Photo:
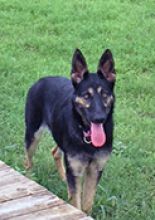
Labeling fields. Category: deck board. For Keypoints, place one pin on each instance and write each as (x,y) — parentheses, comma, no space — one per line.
(22,198)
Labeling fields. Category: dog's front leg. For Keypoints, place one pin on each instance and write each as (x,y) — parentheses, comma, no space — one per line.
(92,176)
(74,190)
(74,172)
(91,179)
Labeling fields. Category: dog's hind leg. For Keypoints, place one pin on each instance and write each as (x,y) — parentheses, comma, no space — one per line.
(58,158)
(31,141)
(33,124)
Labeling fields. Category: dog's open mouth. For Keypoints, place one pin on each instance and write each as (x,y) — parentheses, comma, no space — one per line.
(96,135)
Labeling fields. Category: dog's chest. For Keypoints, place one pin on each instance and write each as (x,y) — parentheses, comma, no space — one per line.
(82,162)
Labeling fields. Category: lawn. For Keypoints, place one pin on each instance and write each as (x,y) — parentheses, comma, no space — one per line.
(37,38)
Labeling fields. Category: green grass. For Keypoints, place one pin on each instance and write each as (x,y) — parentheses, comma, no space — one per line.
(37,38)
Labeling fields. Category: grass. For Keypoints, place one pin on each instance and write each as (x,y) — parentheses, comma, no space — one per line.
(38,39)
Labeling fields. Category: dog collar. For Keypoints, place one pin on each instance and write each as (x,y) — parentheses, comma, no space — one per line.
(86,137)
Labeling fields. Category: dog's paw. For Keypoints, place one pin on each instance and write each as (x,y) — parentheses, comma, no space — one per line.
(27,164)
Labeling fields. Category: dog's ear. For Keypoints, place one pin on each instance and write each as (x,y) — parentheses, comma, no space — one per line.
(79,67)
(106,66)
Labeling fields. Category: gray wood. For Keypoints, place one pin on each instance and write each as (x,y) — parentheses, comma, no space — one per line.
(22,198)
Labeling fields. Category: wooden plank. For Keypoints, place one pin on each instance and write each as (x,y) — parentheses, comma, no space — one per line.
(2,163)
(4,166)
(28,204)
(63,212)
(21,187)
(6,171)
(86,218)
(13,185)
(21,199)
(10,178)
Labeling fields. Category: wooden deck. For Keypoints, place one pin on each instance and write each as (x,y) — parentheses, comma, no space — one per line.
(24,199)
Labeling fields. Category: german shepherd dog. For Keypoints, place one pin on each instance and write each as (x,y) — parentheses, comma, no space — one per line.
(79,115)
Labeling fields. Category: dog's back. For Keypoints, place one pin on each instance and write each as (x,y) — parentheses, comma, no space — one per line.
(49,93)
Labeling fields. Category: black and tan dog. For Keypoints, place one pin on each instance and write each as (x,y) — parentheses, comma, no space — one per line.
(78,112)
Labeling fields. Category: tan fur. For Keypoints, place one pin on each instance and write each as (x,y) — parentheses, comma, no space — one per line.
(100,160)
(90,181)
(78,171)
(75,197)
(110,76)
(29,155)
(104,94)
(99,89)
(91,91)
(89,189)
(82,102)
(58,158)
(31,150)
(78,76)
(77,166)
(83,198)
(108,101)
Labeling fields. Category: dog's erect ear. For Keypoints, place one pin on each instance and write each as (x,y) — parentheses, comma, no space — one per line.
(106,67)
(79,67)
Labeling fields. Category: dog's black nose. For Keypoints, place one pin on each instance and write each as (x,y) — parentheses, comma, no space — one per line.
(99,119)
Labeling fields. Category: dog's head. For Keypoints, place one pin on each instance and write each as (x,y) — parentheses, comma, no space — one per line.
(93,96)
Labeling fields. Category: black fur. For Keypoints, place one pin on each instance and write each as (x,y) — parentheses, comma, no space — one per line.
(52,101)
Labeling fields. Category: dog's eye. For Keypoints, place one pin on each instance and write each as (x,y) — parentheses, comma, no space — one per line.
(86,96)
(109,101)
(102,92)
(104,95)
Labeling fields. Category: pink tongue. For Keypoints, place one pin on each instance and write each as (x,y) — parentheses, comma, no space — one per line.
(98,136)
